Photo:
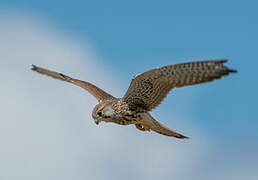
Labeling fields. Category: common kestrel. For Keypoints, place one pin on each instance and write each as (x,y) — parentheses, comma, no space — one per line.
(146,92)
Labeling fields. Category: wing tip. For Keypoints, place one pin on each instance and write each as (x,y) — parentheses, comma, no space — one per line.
(180,136)
(232,71)
(34,67)
(223,61)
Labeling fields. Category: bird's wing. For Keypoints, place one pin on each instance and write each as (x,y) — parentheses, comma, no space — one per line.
(147,90)
(98,93)
(154,125)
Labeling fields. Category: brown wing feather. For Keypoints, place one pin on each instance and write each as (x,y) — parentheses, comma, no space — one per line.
(148,89)
(98,93)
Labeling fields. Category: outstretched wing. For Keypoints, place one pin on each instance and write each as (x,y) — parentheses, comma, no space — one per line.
(154,125)
(148,89)
(98,93)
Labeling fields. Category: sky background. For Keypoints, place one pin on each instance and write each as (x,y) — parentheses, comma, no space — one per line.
(46,129)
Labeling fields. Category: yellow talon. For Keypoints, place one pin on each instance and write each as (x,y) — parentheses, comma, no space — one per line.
(147,128)
(142,127)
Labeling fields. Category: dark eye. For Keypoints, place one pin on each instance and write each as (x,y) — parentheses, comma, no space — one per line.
(99,113)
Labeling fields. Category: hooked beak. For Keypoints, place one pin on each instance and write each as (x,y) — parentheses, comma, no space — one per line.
(97,121)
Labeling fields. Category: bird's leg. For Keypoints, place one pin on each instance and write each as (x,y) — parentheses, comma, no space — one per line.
(146,128)
(142,127)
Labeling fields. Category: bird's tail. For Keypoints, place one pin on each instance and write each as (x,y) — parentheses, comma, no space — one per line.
(154,125)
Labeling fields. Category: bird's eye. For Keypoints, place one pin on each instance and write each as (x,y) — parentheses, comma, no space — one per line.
(99,113)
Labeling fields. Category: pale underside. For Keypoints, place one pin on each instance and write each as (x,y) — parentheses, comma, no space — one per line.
(148,90)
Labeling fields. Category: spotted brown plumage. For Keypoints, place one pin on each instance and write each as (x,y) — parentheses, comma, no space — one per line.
(146,92)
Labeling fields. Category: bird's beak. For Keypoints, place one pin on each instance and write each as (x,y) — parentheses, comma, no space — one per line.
(97,121)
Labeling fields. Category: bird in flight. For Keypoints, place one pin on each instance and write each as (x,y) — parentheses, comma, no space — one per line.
(146,91)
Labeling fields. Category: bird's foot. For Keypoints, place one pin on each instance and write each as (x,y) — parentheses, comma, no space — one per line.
(142,127)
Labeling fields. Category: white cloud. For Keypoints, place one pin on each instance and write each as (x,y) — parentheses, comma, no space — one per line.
(46,129)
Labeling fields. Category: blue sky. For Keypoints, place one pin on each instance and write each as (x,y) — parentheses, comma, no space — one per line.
(155,33)
(134,36)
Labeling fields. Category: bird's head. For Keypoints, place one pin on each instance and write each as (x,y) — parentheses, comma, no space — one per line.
(103,112)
